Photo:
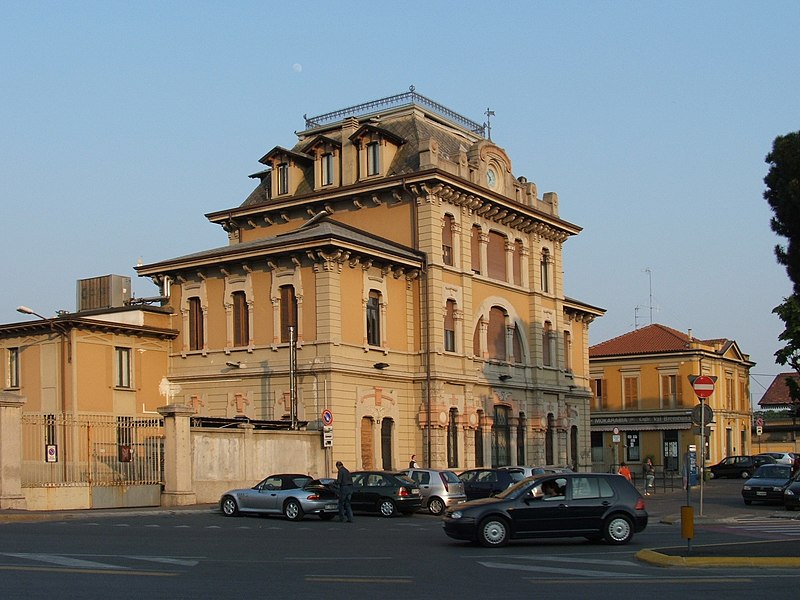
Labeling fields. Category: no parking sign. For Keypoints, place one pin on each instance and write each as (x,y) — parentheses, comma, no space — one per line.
(327,417)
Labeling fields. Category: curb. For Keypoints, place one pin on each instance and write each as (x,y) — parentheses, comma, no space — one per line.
(658,559)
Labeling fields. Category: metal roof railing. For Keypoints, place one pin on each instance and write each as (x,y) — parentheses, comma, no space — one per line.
(407,98)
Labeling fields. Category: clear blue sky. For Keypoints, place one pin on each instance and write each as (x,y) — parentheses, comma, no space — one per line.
(123,123)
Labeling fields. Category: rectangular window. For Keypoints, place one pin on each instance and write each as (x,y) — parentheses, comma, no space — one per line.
(327,169)
(283,178)
(195,324)
(241,320)
(547,350)
(288,313)
(373,159)
(567,351)
(631,387)
(599,390)
(374,319)
(544,268)
(123,379)
(476,249)
(450,327)
(729,392)
(12,368)
(447,240)
(632,451)
(670,391)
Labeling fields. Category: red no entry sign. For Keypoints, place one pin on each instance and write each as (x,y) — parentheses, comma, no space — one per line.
(703,386)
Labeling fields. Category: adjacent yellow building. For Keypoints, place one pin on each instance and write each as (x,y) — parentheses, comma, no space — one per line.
(643,398)
(389,267)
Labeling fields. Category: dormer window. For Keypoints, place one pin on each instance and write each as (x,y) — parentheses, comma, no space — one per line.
(373,158)
(283,178)
(327,168)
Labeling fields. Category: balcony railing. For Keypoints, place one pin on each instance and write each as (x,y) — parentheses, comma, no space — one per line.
(410,97)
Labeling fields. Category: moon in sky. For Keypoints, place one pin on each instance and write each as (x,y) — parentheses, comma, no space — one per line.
(297,67)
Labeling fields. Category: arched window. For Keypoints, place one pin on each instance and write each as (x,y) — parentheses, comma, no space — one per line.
(450,327)
(496,256)
(447,240)
(452,439)
(241,320)
(496,334)
(288,312)
(374,318)
(518,355)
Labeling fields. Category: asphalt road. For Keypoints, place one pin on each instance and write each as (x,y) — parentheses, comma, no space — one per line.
(197,553)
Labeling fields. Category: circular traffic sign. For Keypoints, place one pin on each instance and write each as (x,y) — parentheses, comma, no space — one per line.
(327,417)
(703,386)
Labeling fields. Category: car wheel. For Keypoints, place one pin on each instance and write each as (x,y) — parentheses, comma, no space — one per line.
(387,508)
(493,533)
(748,502)
(435,506)
(326,516)
(618,530)
(292,510)
(745,474)
(229,507)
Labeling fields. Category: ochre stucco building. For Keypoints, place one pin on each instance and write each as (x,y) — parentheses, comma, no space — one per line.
(642,390)
(389,267)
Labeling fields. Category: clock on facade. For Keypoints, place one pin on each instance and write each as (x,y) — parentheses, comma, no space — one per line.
(491,178)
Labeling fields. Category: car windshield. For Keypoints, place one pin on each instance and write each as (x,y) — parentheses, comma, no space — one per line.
(514,490)
(405,479)
(773,472)
(450,477)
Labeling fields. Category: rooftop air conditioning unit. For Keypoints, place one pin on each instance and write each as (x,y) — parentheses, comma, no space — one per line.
(108,291)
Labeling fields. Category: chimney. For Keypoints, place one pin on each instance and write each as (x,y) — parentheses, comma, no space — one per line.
(349,152)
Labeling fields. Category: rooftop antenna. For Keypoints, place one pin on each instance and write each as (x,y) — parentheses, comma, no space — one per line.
(489,114)
(650,280)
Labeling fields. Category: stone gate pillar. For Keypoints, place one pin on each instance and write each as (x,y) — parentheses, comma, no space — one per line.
(11,451)
(178,473)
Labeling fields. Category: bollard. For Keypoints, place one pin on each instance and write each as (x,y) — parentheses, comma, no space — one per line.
(687,525)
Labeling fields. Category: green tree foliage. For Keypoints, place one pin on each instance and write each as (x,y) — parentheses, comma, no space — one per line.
(783,196)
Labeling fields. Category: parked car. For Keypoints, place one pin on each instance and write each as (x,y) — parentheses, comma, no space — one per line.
(739,466)
(483,483)
(791,493)
(289,494)
(385,493)
(591,505)
(784,458)
(439,489)
(767,484)
(530,471)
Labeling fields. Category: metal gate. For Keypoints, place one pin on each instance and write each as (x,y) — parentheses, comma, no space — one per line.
(91,450)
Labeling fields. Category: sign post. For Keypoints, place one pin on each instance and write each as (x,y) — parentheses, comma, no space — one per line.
(703,386)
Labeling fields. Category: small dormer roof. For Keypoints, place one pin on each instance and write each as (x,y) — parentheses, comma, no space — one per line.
(317,140)
(281,151)
(384,133)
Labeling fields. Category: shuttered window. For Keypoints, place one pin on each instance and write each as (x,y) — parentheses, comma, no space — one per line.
(374,319)
(241,320)
(496,334)
(631,391)
(195,324)
(288,312)
(599,391)
(496,256)
(475,249)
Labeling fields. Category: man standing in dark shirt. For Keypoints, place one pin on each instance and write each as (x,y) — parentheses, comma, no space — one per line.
(345,483)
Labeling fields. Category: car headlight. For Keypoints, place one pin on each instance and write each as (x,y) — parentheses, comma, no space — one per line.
(457,514)
(746,487)
(777,488)
(788,492)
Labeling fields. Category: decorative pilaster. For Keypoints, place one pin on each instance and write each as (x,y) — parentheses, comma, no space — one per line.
(178,474)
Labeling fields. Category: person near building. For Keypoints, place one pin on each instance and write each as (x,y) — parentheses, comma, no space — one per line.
(412,464)
(649,477)
(344,482)
(624,471)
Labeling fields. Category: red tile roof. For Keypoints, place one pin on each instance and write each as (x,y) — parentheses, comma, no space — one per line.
(647,340)
(777,394)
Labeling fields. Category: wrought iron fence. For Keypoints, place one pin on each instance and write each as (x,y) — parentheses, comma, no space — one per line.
(96,450)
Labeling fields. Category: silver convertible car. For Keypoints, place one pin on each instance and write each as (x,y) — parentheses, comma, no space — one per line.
(290,495)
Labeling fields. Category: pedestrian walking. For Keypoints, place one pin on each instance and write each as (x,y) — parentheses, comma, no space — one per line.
(649,477)
(624,471)
(412,464)
(344,482)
